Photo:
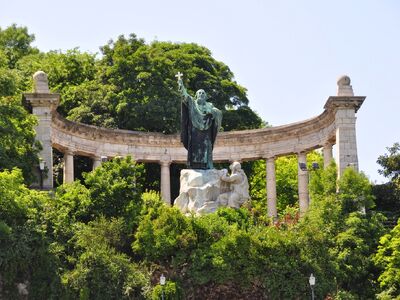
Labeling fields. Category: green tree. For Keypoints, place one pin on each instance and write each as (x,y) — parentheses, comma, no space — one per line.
(15,42)
(387,258)
(142,92)
(101,270)
(344,233)
(17,144)
(388,194)
(24,248)
(390,162)
(112,190)
(115,188)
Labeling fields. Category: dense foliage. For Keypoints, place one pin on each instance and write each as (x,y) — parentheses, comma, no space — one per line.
(388,201)
(17,146)
(107,230)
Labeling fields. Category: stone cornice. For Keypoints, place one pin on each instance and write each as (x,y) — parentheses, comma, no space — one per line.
(42,99)
(335,102)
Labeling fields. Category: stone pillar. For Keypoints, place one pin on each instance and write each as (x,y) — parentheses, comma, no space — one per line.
(345,120)
(271,188)
(346,144)
(43,104)
(345,105)
(96,162)
(165,181)
(68,166)
(327,154)
(302,183)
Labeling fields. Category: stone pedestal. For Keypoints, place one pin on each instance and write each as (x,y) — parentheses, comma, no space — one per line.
(203,191)
(199,191)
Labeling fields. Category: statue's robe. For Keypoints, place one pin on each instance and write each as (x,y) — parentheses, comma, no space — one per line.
(199,128)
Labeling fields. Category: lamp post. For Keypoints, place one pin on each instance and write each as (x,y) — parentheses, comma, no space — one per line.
(311,280)
(42,165)
(303,166)
(162,283)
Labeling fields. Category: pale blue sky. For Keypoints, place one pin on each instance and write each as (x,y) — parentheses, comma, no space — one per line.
(288,54)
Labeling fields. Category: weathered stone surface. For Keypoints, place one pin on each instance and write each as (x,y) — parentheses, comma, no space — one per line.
(203,191)
(237,187)
(199,191)
(40,82)
(344,87)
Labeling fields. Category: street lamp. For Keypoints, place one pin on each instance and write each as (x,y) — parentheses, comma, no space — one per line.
(162,283)
(42,166)
(303,166)
(311,280)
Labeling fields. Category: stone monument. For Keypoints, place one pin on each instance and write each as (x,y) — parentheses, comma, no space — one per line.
(203,188)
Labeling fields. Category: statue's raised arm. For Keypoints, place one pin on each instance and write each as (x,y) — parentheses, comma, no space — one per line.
(181,87)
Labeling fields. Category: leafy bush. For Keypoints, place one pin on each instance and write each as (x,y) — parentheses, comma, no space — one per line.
(170,291)
(24,248)
(387,258)
(170,234)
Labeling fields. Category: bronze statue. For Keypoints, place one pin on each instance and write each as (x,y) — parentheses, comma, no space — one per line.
(200,123)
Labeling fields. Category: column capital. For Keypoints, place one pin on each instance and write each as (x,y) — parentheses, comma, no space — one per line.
(270,157)
(165,160)
(69,152)
(165,163)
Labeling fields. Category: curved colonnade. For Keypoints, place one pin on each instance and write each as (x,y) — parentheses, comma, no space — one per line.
(336,125)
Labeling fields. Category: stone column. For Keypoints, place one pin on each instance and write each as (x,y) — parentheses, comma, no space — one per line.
(302,184)
(68,166)
(346,144)
(327,154)
(271,188)
(345,106)
(43,104)
(96,162)
(165,181)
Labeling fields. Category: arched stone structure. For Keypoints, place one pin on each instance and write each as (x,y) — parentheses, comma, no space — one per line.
(335,125)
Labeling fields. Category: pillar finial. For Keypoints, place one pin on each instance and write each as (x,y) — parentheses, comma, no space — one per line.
(344,86)
(40,82)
